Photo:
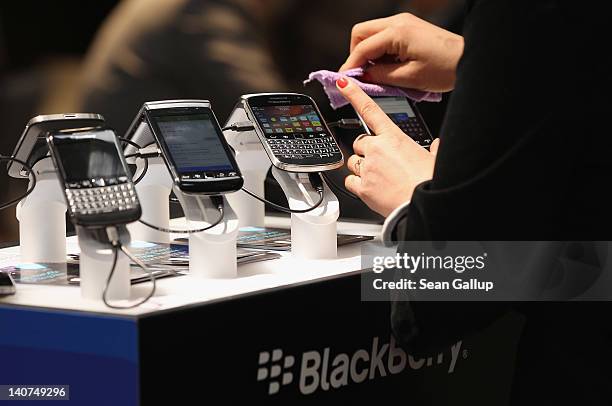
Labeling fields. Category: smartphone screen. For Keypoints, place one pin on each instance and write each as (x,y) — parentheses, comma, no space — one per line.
(406,117)
(295,133)
(282,121)
(195,146)
(97,187)
(195,149)
(89,160)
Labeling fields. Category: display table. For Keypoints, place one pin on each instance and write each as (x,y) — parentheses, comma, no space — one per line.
(195,337)
(182,291)
(284,332)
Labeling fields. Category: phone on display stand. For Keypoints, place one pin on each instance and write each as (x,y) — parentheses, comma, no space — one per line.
(193,146)
(404,113)
(293,132)
(32,146)
(7,286)
(94,177)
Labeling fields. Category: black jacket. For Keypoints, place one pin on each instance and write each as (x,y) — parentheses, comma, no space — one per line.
(524,155)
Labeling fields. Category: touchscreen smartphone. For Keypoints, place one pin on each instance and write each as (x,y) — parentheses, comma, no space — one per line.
(404,113)
(94,176)
(193,146)
(32,145)
(293,132)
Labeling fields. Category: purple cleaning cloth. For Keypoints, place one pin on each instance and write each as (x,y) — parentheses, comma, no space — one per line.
(328,79)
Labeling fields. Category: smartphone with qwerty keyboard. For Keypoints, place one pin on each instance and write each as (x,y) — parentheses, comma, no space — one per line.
(94,176)
(293,132)
(404,113)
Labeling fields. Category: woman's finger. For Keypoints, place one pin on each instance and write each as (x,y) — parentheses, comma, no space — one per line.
(404,74)
(433,148)
(360,145)
(369,49)
(376,119)
(353,184)
(366,29)
(354,163)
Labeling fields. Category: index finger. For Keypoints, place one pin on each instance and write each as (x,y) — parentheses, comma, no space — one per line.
(366,29)
(377,120)
(369,49)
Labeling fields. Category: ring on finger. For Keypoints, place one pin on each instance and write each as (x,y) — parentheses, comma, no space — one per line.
(358,167)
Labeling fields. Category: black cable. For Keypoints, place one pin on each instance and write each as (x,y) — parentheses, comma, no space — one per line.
(136,155)
(31,176)
(129,141)
(239,126)
(169,230)
(116,244)
(337,188)
(316,181)
(346,123)
(110,276)
(285,209)
(145,168)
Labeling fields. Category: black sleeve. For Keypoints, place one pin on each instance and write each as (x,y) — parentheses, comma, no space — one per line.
(515,161)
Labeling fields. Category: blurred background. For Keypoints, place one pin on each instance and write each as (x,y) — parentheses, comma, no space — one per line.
(110,56)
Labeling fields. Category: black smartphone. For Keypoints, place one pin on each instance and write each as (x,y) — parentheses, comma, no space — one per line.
(32,146)
(7,286)
(406,116)
(193,146)
(94,176)
(293,132)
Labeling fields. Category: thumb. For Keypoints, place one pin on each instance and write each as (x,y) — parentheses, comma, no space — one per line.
(394,74)
(376,119)
(433,148)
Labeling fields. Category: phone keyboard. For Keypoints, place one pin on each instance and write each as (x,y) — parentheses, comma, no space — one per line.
(304,146)
(105,199)
(415,130)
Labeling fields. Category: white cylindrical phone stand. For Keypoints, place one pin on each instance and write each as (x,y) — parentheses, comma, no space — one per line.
(311,240)
(313,234)
(95,264)
(212,253)
(251,212)
(153,193)
(42,218)
(254,164)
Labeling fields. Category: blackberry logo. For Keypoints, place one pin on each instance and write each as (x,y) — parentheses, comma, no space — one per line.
(327,370)
(275,369)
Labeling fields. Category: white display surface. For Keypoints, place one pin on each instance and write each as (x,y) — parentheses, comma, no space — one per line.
(185,290)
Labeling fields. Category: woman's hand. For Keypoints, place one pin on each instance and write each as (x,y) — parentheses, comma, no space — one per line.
(389,165)
(423,56)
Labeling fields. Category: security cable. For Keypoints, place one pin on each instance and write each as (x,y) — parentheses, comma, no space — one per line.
(145,168)
(139,155)
(346,123)
(31,175)
(315,180)
(239,126)
(218,200)
(339,188)
(113,236)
